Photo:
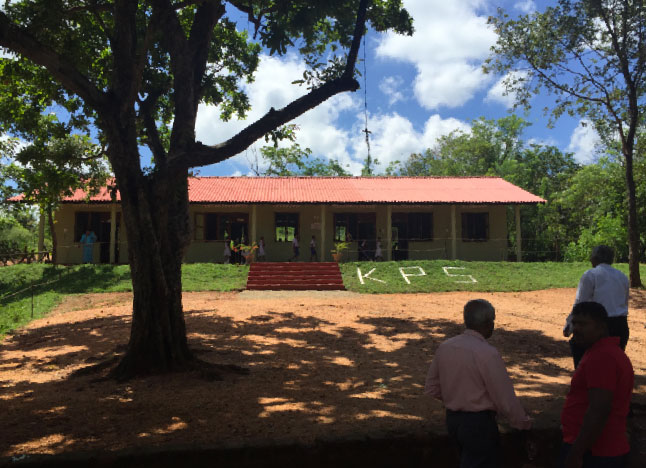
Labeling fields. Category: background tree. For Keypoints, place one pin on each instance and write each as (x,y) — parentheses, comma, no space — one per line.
(294,161)
(17,222)
(483,150)
(590,55)
(369,165)
(138,71)
(45,172)
(496,148)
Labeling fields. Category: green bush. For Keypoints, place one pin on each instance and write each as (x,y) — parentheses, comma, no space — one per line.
(14,237)
(608,231)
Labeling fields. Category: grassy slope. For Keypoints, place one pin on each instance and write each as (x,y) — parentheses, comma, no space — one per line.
(489,276)
(16,309)
(52,283)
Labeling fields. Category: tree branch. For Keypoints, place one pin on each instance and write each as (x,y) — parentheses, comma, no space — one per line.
(359,30)
(94,8)
(632,92)
(247,8)
(150,126)
(202,155)
(206,16)
(139,64)
(125,81)
(188,64)
(560,87)
(18,40)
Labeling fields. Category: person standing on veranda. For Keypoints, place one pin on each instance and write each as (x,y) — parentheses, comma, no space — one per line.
(379,256)
(261,249)
(313,255)
(295,248)
(87,241)
(227,251)
(469,376)
(610,288)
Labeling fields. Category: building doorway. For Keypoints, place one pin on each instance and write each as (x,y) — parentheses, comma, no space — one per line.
(399,226)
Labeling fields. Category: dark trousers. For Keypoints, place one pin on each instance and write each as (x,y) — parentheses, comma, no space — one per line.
(590,461)
(477,437)
(617,326)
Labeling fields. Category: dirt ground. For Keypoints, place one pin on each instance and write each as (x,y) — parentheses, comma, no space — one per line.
(323,366)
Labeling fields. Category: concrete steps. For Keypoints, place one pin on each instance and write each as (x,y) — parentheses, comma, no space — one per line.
(296,276)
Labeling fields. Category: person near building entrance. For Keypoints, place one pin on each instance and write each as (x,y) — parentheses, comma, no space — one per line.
(313,255)
(227,251)
(296,248)
(87,241)
(261,249)
(469,376)
(610,288)
(379,256)
(594,415)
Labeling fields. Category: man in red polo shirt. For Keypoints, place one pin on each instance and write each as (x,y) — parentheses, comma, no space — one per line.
(596,407)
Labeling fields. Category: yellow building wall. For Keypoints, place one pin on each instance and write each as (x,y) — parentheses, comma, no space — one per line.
(313,220)
(495,248)
(69,249)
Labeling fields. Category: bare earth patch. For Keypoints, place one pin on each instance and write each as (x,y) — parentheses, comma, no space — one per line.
(323,367)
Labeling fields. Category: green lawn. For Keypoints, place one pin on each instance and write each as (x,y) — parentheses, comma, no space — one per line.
(446,275)
(51,283)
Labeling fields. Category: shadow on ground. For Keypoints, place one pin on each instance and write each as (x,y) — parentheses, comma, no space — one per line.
(317,395)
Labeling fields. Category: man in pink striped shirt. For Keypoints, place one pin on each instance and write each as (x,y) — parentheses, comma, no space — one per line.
(469,376)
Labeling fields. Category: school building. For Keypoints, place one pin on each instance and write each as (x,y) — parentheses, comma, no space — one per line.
(412,217)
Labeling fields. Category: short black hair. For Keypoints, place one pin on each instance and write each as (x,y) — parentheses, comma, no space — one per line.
(603,254)
(594,310)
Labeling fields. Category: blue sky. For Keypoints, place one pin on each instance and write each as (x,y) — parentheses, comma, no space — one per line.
(418,88)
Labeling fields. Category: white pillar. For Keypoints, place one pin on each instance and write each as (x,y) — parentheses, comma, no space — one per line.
(113,232)
(254,223)
(41,231)
(518,236)
(453,234)
(323,230)
(388,245)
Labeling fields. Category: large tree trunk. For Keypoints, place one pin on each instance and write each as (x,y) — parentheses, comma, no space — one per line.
(156,218)
(633,230)
(155,214)
(156,221)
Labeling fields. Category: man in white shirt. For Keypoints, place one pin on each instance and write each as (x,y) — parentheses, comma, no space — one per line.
(610,288)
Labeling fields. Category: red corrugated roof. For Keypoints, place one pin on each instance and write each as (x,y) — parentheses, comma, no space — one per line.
(347,190)
(79,196)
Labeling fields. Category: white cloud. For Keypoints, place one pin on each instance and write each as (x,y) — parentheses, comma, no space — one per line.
(549,141)
(450,42)
(498,93)
(436,127)
(318,128)
(332,130)
(391,86)
(394,137)
(525,6)
(584,142)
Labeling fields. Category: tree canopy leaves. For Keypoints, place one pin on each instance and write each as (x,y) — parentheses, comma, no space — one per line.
(589,54)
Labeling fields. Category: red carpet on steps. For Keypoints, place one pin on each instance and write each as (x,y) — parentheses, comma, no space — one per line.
(295,276)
